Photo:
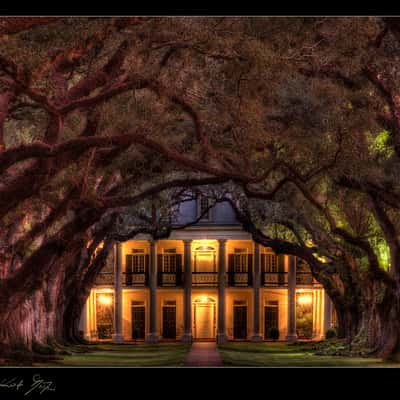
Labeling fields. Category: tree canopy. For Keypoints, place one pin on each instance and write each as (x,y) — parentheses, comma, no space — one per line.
(293,121)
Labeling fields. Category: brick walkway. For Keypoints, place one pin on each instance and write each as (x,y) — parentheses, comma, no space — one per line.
(203,354)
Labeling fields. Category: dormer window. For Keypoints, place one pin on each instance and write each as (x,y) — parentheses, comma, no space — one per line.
(203,208)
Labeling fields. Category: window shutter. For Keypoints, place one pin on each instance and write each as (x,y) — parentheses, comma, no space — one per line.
(231,269)
(146,268)
(281,268)
(129,263)
(178,269)
(281,263)
(263,264)
(160,263)
(249,263)
(160,268)
(128,269)
(231,262)
(249,268)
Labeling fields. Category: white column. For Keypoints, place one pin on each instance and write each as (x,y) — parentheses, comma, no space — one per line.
(117,336)
(291,335)
(317,312)
(153,336)
(256,295)
(221,334)
(93,308)
(187,294)
(327,313)
(84,323)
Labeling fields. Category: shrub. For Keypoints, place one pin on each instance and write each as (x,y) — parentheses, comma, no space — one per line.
(330,333)
(273,333)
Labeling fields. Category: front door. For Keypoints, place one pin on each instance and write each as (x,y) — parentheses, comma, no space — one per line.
(271,318)
(169,322)
(138,322)
(204,321)
(240,322)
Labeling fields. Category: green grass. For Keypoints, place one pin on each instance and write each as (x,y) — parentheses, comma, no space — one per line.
(283,355)
(124,355)
(233,354)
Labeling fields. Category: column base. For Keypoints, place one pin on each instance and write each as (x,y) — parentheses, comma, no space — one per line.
(221,338)
(152,338)
(94,336)
(87,336)
(117,338)
(291,338)
(187,338)
(256,338)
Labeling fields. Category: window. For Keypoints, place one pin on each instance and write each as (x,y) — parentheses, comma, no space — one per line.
(203,208)
(135,262)
(240,262)
(270,262)
(169,260)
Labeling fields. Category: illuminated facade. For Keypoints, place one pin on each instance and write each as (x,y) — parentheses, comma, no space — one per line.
(206,282)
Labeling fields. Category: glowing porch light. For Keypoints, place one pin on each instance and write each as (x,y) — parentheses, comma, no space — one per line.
(304,299)
(105,300)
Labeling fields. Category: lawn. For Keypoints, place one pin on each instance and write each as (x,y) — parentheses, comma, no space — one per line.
(123,355)
(283,355)
(233,354)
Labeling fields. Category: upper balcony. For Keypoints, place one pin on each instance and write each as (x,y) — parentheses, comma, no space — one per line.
(204,264)
(274,272)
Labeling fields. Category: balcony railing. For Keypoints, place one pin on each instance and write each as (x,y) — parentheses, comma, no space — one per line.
(274,278)
(205,278)
(169,279)
(239,278)
(135,278)
(105,278)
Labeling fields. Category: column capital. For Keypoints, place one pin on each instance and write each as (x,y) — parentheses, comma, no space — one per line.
(222,242)
(187,241)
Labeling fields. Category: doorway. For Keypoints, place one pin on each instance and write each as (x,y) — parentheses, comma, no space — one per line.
(304,314)
(104,314)
(169,320)
(138,320)
(204,318)
(271,318)
(240,320)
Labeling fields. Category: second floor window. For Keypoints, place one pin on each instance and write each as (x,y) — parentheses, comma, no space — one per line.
(240,261)
(269,262)
(170,261)
(135,263)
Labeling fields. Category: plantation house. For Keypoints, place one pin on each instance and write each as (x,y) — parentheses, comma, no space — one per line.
(209,281)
